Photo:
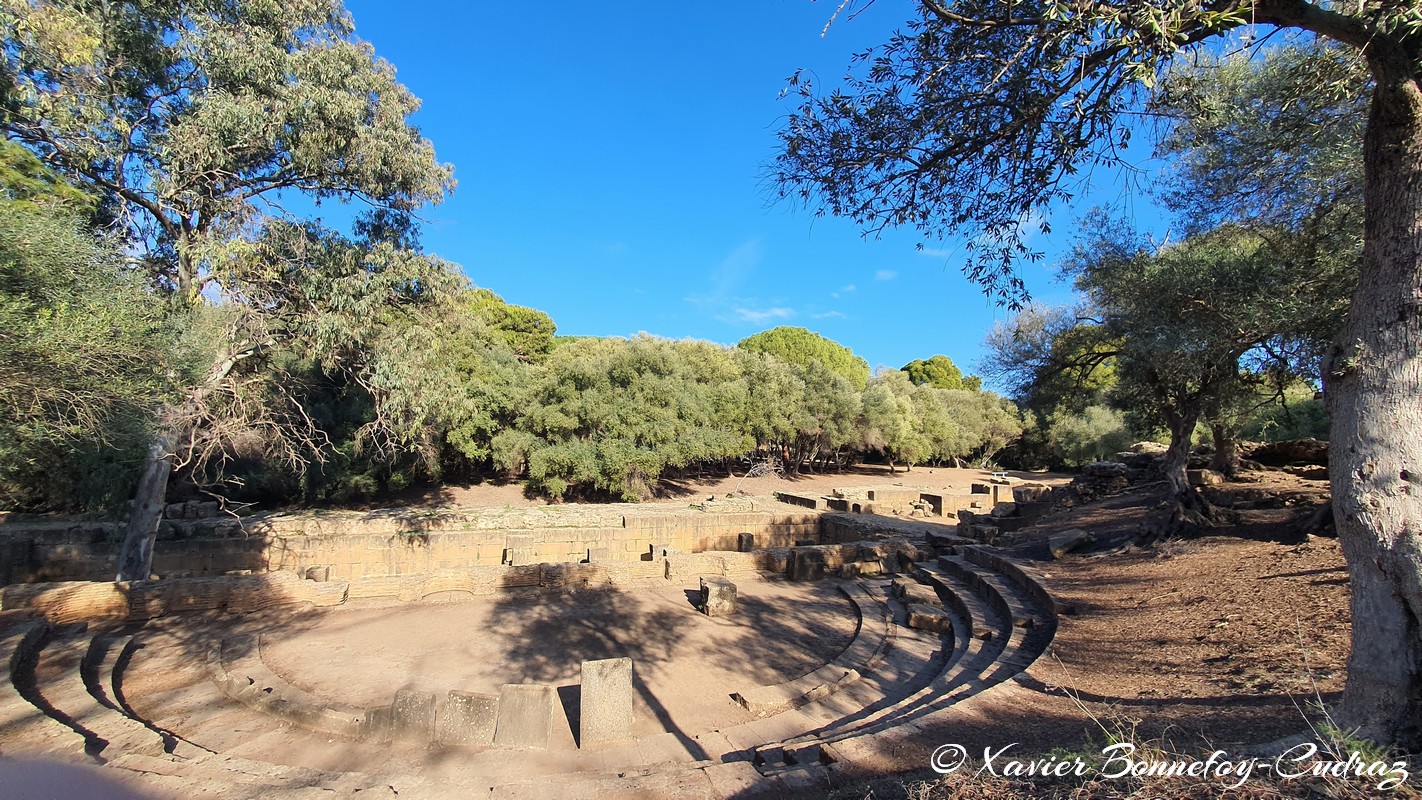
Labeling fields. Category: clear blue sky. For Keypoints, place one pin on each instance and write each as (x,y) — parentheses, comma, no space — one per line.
(610,160)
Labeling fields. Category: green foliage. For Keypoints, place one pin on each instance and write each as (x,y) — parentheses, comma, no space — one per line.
(940,372)
(528,332)
(891,420)
(1294,413)
(188,117)
(801,347)
(81,357)
(1095,434)
(611,415)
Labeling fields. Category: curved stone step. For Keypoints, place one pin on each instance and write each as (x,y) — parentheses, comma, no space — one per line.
(236,666)
(19,716)
(979,635)
(61,683)
(871,638)
(912,661)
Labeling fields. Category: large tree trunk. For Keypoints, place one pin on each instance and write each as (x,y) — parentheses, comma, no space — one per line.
(1191,509)
(1226,457)
(135,561)
(1373,380)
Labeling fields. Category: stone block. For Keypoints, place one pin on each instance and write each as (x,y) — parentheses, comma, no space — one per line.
(597,555)
(320,574)
(375,727)
(745,542)
(1067,541)
(807,565)
(605,707)
(718,597)
(1204,477)
(467,718)
(525,715)
(412,716)
(929,618)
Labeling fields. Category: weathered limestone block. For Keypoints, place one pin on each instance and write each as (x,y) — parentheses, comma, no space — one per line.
(1204,477)
(320,574)
(745,542)
(929,618)
(1003,510)
(605,708)
(718,597)
(807,564)
(412,716)
(467,718)
(1030,492)
(525,715)
(1068,540)
(911,592)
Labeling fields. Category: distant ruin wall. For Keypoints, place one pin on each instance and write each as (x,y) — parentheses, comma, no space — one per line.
(384,544)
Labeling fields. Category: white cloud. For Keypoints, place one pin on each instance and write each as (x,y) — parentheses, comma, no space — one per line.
(831,314)
(885,275)
(760,316)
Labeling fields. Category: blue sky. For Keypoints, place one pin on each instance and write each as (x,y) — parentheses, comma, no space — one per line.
(611,158)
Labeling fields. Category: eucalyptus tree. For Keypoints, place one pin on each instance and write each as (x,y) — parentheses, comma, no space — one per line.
(983,113)
(193,123)
(82,345)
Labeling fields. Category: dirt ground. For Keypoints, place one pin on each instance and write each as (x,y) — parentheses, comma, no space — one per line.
(1235,636)
(679,492)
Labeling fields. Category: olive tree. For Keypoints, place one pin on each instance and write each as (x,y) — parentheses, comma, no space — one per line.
(983,113)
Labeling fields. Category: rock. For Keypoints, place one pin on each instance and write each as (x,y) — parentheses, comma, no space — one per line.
(1105,469)
(1309,473)
(986,534)
(1135,460)
(1151,448)
(467,718)
(412,716)
(1068,540)
(1204,477)
(1003,510)
(807,564)
(1030,492)
(718,597)
(929,618)
(525,715)
(1295,451)
(912,592)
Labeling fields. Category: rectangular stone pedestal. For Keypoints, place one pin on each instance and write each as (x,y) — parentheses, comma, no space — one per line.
(605,709)
(525,715)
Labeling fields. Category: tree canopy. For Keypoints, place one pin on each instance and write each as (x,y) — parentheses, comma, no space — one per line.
(802,347)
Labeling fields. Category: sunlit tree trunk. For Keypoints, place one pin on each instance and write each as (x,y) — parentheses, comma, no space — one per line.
(1226,457)
(1373,384)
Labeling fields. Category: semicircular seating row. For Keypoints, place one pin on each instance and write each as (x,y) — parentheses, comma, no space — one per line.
(61,692)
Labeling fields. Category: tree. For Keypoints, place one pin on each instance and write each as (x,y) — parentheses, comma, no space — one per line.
(891,421)
(191,122)
(800,347)
(984,112)
(82,350)
(1185,316)
(940,372)
(527,331)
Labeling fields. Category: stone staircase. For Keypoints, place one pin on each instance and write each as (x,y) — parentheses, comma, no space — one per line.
(62,696)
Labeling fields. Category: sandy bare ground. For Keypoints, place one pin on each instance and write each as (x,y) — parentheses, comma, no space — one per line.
(678,492)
